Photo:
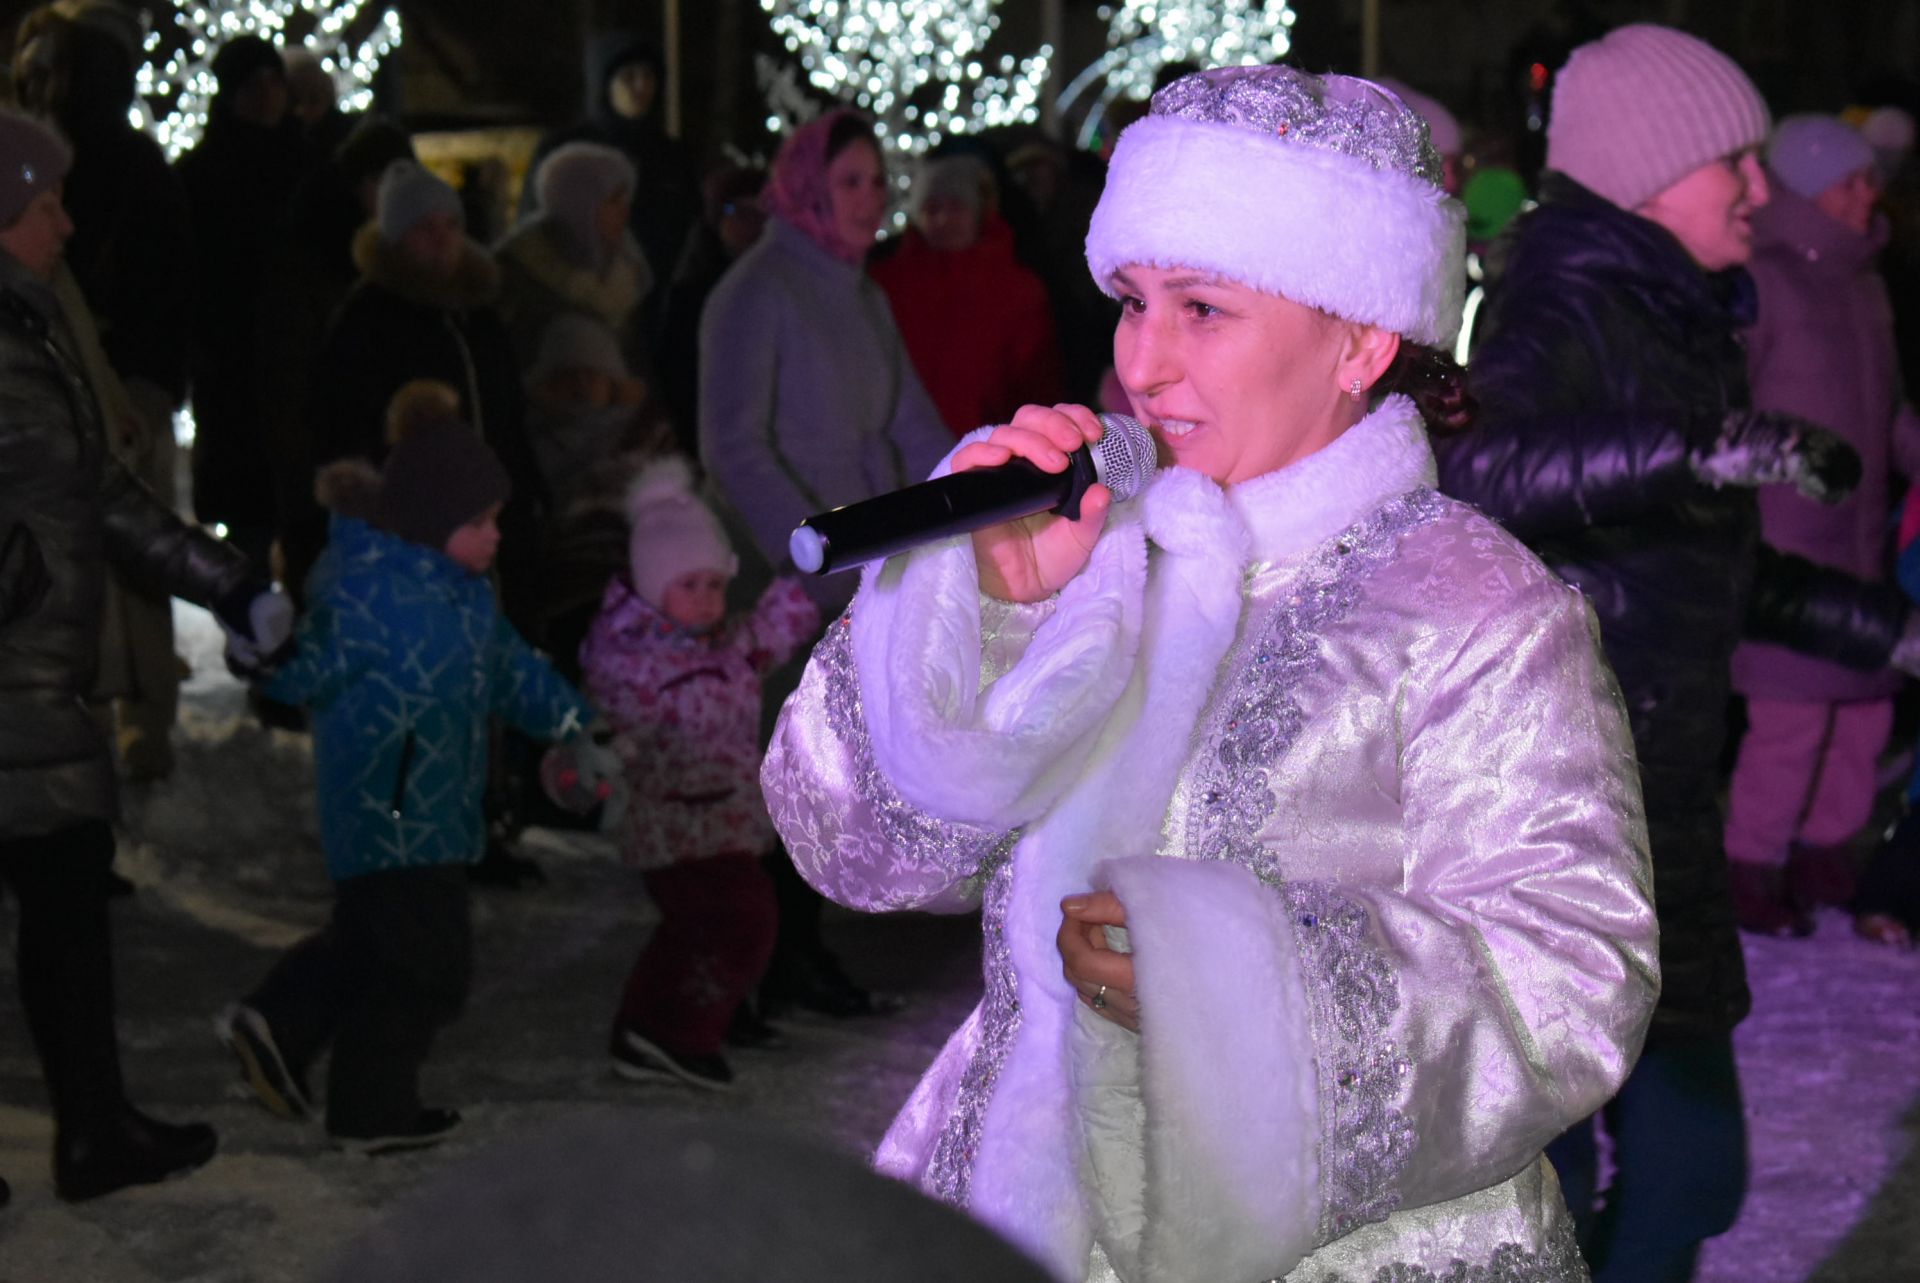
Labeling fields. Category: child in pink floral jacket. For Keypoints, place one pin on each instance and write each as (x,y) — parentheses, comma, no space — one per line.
(680,683)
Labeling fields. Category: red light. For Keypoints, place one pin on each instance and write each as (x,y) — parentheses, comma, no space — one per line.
(1537,76)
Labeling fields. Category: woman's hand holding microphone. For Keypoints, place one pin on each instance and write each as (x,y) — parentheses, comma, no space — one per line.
(1031,559)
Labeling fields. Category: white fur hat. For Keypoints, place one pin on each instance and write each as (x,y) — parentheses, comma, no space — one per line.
(1321,189)
(674,533)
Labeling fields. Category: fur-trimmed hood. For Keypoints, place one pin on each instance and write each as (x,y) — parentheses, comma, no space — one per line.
(475,283)
(538,249)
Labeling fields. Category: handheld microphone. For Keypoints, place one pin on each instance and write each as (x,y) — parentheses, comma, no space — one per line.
(962,502)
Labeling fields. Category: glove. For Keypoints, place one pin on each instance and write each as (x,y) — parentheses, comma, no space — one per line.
(24,582)
(1766,447)
(1906,651)
(259,623)
(586,772)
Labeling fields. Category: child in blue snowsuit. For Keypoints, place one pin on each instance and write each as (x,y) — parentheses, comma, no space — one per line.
(403,658)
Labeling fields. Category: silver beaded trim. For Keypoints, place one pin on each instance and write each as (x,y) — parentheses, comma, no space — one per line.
(1341,114)
(910,835)
(950,1170)
(1352,992)
(1559,1261)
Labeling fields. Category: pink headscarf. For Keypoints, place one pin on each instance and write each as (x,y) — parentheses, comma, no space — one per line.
(797,189)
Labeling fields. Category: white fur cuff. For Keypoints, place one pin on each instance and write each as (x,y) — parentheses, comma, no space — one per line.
(1310,225)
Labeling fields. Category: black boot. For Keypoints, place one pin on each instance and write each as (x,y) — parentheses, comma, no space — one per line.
(125,1148)
(6,1193)
(1761,904)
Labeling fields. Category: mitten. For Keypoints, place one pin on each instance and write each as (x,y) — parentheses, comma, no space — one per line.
(259,623)
(1906,651)
(585,772)
(1767,447)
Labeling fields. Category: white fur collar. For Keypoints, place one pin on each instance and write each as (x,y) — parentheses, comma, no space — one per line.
(1295,508)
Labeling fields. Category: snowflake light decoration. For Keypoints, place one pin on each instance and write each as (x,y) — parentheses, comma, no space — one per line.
(1145,35)
(919,67)
(176,83)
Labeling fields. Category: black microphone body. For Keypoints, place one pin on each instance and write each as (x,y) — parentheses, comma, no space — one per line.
(962,502)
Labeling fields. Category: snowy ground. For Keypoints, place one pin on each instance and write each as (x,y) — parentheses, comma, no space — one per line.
(229,873)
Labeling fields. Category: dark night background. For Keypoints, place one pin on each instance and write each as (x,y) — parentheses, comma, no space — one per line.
(519,61)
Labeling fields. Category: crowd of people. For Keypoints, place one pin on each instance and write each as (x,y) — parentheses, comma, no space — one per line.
(1353,817)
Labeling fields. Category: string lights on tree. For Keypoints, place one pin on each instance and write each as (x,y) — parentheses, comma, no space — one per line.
(919,67)
(176,85)
(1145,35)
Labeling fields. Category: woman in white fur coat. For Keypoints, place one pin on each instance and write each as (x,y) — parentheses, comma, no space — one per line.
(1333,755)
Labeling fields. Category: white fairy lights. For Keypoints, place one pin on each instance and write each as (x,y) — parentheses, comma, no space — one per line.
(176,83)
(1145,35)
(919,67)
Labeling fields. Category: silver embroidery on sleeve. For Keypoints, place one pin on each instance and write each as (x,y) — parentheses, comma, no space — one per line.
(1559,1261)
(1353,995)
(950,1170)
(910,835)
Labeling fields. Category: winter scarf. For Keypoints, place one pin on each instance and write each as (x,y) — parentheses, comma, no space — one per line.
(797,193)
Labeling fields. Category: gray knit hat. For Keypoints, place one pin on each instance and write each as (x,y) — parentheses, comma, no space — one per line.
(1644,106)
(408,193)
(1811,153)
(575,181)
(33,158)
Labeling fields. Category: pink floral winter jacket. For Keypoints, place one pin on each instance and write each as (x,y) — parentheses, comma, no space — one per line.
(686,708)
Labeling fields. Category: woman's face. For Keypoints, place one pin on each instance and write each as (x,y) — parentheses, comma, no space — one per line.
(434,242)
(949,223)
(610,218)
(39,236)
(857,182)
(1709,211)
(1234,383)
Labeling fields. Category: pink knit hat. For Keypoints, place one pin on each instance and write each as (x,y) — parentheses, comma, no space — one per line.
(674,533)
(1644,106)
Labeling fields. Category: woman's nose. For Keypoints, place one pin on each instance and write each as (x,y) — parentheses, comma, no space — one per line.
(1144,359)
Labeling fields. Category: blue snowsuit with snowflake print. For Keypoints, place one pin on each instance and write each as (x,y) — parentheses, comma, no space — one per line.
(403,658)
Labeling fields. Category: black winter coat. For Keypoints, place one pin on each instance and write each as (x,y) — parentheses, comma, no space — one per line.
(238,182)
(396,326)
(1607,357)
(80,510)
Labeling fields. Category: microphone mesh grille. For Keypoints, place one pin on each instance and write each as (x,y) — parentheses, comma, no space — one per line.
(1123,457)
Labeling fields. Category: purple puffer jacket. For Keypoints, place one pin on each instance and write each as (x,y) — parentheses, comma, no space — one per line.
(1823,349)
(686,707)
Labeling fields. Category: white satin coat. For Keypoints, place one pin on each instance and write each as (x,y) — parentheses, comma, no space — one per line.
(1352,761)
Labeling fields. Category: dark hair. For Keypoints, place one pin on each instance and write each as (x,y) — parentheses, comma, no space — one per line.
(852,127)
(1437,385)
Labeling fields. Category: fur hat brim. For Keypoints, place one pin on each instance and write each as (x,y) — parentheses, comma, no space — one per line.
(1310,225)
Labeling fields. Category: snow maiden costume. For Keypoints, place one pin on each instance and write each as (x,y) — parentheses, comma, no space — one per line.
(1347,753)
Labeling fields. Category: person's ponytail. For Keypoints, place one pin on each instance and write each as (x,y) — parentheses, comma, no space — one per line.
(1437,385)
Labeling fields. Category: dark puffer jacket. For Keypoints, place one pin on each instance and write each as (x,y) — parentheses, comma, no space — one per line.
(1607,357)
(80,510)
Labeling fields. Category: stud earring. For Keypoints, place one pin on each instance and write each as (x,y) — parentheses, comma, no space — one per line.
(1353,391)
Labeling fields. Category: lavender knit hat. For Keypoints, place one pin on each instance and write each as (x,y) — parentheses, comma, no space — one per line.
(1644,106)
(1811,153)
